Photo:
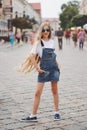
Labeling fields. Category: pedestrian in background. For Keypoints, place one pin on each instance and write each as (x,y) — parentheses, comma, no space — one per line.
(81,38)
(48,68)
(60,38)
(18,37)
(32,36)
(75,37)
(67,35)
(11,38)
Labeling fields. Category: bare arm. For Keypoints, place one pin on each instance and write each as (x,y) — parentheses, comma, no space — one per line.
(36,64)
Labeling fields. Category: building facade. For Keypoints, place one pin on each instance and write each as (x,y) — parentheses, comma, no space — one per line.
(83,7)
(37,11)
(5,13)
(55,23)
(10,8)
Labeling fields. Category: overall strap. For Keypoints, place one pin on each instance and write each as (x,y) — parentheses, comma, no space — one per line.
(42,44)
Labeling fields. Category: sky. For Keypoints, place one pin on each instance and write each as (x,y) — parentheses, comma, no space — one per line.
(50,8)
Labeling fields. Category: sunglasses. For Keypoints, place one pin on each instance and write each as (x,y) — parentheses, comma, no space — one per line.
(45,30)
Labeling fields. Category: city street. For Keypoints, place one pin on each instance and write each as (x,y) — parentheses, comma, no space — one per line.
(17,90)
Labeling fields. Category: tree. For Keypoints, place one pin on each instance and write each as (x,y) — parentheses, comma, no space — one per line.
(21,23)
(69,10)
(63,7)
(79,20)
(33,21)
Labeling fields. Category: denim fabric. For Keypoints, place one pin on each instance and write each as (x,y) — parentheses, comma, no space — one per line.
(49,65)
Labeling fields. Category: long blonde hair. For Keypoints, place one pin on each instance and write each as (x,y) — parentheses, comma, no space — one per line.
(27,65)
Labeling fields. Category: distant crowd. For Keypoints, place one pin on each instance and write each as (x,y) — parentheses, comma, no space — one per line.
(77,35)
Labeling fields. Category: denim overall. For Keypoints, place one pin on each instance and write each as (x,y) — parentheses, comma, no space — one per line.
(49,65)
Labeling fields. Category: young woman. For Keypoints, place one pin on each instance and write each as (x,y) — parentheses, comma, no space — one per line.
(47,68)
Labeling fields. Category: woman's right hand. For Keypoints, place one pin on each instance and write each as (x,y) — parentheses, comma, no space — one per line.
(40,71)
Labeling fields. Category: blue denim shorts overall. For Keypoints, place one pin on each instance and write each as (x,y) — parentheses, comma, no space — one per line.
(49,65)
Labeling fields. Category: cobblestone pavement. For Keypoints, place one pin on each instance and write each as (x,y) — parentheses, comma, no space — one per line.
(17,91)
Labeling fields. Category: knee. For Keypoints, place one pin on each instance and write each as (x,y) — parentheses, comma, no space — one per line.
(54,91)
(37,94)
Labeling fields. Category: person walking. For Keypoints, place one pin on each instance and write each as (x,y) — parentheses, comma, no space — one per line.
(67,35)
(18,37)
(48,69)
(11,39)
(81,38)
(32,36)
(60,38)
(75,37)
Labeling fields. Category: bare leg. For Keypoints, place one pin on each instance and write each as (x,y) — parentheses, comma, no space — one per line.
(55,95)
(38,92)
(75,44)
(37,97)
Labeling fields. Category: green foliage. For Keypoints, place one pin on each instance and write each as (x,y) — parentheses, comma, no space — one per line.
(69,10)
(33,21)
(63,7)
(23,23)
(79,20)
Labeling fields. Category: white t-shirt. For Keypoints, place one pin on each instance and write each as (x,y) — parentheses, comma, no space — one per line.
(37,49)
